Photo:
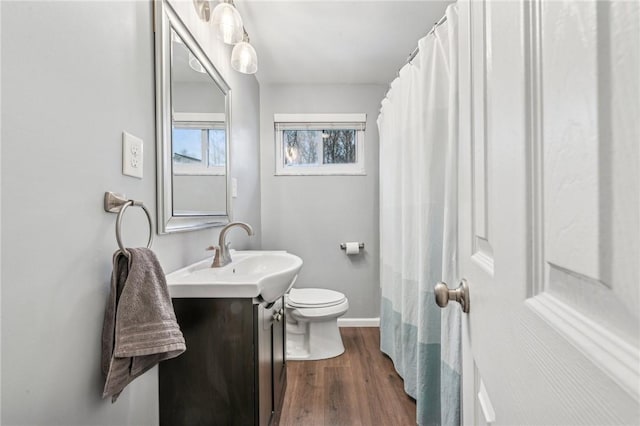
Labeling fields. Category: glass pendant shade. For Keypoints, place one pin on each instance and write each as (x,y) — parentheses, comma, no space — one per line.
(244,58)
(175,37)
(195,64)
(227,23)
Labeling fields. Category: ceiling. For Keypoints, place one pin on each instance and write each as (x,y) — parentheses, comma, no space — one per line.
(335,42)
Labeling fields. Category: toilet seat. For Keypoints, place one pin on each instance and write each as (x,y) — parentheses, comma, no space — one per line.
(312,323)
(314,298)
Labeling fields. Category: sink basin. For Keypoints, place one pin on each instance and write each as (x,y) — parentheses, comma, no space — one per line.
(252,273)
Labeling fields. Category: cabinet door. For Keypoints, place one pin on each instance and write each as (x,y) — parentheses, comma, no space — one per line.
(279,342)
(265,365)
(212,383)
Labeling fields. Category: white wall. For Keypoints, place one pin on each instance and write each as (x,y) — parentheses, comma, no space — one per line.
(74,76)
(197,97)
(193,193)
(311,215)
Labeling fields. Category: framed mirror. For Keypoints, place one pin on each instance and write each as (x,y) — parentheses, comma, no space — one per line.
(192,130)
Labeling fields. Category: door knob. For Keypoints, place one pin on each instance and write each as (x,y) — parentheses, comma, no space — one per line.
(460,295)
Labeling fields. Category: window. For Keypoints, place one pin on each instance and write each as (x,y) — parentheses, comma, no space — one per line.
(320,144)
(198,148)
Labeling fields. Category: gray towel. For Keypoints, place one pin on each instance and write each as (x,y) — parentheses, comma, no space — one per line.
(140,327)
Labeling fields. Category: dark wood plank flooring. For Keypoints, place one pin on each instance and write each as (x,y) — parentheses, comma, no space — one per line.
(360,387)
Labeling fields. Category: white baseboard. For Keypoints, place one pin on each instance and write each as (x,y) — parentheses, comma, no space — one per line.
(358,322)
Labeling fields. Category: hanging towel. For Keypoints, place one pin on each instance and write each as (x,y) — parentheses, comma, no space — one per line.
(140,327)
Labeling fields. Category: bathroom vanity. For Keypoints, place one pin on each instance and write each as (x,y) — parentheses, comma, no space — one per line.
(233,320)
(233,372)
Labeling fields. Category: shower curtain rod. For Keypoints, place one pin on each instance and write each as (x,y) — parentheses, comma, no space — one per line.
(417,49)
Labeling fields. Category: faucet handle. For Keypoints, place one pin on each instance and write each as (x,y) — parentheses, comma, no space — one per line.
(210,248)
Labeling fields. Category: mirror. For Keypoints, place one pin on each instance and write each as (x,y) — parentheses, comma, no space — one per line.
(192,126)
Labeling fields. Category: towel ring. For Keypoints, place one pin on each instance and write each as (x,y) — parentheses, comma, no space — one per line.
(119,203)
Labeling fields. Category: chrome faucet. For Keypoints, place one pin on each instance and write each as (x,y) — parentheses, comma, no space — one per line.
(222,256)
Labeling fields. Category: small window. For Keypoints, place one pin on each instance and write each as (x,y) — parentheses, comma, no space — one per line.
(198,148)
(320,144)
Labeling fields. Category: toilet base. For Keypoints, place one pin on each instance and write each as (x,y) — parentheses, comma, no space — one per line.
(312,340)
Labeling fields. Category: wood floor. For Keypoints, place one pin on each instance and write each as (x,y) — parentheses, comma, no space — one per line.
(360,387)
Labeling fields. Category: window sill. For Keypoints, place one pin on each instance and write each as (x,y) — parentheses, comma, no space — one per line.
(318,173)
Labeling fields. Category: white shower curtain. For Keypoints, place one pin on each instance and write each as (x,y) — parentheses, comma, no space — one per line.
(418,225)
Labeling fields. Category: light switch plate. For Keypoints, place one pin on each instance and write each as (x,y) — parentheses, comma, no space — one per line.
(132,155)
(234,187)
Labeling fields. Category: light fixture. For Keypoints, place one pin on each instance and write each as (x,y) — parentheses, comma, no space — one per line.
(203,9)
(243,56)
(175,37)
(227,22)
(195,64)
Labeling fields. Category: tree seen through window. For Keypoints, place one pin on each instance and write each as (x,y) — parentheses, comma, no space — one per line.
(309,147)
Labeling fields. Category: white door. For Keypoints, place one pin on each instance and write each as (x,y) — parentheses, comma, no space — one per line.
(550,211)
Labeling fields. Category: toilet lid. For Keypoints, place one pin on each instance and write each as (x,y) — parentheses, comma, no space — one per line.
(314,297)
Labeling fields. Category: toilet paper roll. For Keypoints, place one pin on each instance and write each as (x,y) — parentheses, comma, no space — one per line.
(353,247)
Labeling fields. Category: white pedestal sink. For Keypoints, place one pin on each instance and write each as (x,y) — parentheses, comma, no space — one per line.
(252,273)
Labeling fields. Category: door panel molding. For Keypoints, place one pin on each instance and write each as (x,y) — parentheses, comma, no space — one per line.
(480,60)
(534,131)
(611,354)
(569,286)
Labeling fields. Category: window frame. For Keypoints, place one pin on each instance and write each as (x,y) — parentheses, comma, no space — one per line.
(355,122)
(202,121)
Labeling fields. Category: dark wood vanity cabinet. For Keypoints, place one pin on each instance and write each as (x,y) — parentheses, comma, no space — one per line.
(233,371)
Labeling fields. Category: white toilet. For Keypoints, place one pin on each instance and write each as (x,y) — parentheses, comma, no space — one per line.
(312,323)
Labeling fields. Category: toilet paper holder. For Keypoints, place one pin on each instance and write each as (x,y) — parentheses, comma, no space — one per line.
(343,246)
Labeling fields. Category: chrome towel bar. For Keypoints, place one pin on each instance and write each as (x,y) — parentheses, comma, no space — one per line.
(118,203)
